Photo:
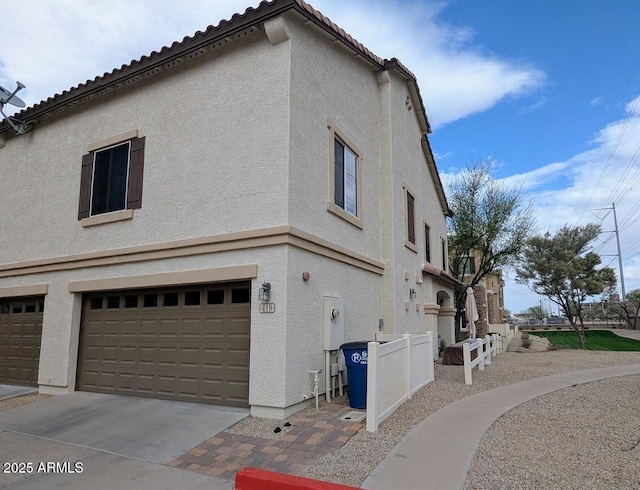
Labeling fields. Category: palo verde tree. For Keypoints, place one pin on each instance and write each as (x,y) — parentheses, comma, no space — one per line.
(489,227)
(561,268)
(627,310)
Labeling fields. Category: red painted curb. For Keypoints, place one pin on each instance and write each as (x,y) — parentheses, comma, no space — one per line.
(255,479)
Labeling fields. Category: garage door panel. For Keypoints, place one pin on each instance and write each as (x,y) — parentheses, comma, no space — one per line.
(195,349)
(20,338)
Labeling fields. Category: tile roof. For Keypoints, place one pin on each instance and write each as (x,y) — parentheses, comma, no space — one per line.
(158,61)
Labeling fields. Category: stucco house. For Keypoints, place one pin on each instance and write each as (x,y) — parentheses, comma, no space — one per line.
(148,210)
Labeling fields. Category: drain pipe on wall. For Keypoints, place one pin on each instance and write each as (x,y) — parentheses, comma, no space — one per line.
(327,375)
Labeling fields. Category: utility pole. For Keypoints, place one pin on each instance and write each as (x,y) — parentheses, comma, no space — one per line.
(619,254)
(615,222)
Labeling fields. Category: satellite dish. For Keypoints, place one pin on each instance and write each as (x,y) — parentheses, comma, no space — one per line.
(7,97)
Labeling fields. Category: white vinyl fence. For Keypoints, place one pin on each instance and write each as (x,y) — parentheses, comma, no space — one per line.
(505,332)
(485,348)
(395,371)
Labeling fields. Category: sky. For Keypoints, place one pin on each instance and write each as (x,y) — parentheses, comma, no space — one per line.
(549,89)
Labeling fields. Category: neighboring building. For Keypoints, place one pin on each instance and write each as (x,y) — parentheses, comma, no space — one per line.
(495,297)
(146,208)
(489,295)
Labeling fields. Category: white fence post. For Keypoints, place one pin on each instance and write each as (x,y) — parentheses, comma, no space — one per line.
(487,339)
(481,354)
(407,340)
(372,386)
(430,369)
(466,356)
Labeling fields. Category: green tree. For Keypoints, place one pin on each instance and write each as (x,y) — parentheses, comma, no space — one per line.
(536,312)
(561,268)
(489,227)
(627,310)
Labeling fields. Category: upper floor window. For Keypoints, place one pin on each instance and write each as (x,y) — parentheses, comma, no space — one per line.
(409,219)
(468,265)
(427,243)
(345,178)
(110,169)
(444,254)
(111,178)
(411,222)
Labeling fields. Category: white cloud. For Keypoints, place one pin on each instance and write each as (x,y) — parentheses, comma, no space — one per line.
(595,101)
(633,107)
(58,45)
(536,106)
(456,78)
(538,177)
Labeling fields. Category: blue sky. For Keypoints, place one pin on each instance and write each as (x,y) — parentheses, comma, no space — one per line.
(550,89)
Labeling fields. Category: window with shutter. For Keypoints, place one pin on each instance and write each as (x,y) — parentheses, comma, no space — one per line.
(409,218)
(111,178)
(411,224)
(345,179)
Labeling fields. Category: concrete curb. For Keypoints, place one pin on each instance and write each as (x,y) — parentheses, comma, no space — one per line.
(9,391)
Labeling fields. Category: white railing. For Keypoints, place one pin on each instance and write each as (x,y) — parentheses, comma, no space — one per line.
(510,335)
(485,348)
(505,332)
(395,371)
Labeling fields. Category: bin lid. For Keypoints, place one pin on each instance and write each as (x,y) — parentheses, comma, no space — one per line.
(361,344)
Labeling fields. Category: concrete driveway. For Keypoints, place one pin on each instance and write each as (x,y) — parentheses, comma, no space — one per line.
(122,442)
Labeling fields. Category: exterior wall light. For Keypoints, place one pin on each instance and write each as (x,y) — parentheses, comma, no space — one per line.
(264,292)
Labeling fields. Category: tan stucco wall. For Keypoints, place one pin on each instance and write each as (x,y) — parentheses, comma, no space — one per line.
(360,291)
(409,169)
(329,83)
(243,156)
(215,158)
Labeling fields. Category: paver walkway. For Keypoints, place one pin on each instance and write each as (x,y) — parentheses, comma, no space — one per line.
(314,435)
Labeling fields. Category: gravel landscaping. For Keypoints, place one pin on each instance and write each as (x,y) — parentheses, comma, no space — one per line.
(586,436)
(357,459)
(19,401)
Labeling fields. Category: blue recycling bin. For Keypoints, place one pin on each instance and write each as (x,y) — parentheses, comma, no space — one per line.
(355,356)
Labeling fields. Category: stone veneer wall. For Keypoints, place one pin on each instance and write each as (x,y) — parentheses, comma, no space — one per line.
(480,294)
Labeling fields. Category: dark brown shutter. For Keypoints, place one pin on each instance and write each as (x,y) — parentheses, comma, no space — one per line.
(84,207)
(136,170)
(472,265)
(411,226)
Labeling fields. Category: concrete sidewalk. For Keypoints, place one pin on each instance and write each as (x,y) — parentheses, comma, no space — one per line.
(438,452)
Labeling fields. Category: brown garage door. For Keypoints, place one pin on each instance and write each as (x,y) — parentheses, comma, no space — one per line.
(20,337)
(187,344)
